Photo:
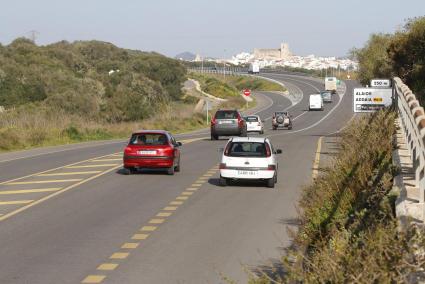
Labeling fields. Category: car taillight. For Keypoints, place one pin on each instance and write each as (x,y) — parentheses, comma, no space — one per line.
(259,124)
(240,121)
(213,121)
(222,166)
(268,152)
(271,167)
(128,149)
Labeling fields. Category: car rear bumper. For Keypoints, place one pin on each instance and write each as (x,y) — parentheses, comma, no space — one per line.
(247,174)
(254,128)
(226,130)
(148,162)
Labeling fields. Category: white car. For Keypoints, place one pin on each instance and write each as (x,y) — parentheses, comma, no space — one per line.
(315,102)
(249,158)
(254,124)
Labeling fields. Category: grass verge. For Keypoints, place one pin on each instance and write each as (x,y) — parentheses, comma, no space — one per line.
(232,85)
(348,231)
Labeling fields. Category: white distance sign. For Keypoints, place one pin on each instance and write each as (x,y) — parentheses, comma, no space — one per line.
(380,83)
(371,99)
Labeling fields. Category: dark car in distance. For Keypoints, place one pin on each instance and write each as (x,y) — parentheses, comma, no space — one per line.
(228,122)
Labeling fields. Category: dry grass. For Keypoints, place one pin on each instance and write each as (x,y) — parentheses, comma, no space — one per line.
(23,129)
(348,232)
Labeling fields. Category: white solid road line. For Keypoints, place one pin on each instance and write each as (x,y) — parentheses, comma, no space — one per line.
(341,96)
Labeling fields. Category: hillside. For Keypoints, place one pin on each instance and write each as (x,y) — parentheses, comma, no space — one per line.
(75,78)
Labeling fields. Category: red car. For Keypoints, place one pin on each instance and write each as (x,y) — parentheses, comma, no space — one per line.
(155,149)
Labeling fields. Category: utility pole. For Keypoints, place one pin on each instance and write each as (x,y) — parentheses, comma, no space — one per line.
(33,35)
(202,64)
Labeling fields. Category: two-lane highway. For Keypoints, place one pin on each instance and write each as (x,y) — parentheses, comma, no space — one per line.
(150,227)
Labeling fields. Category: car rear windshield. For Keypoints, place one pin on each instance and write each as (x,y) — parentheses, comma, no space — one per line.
(226,114)
(251,119)
(246,149)
(148,139)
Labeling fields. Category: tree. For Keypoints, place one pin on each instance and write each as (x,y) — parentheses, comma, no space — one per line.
(374,61)
(407,54)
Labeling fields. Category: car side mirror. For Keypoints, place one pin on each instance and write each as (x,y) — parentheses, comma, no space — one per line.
(278,151)
(179,144)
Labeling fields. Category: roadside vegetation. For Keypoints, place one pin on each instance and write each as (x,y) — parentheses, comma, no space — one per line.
(400,54)
(233,85)
(88,90)
(348,232)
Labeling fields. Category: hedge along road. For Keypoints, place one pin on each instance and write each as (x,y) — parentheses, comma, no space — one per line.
(153,228)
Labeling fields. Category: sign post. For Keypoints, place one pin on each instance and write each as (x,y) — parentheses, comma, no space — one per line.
(247,93)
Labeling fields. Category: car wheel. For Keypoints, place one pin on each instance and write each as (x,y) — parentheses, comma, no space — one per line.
(178,167)
(261,132)
(214,137)
(271,182)
(244,133)
(223,181)
(129,171)
(170,171)
(290,127)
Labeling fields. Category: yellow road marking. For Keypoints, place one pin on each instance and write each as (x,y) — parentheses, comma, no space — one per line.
(130,245)
(156,221)
(170,208)
(192,188)
(91,166)
(119,255)
(203,177)
(107,266)
(208,175)
(43,181)
(105,160)
(187,141)
(16,202)
(22,191)
(163,214)
(196,184)
(69,174)
(51,170)
(317,158)
(182,198)
(148,228)
(187,193)
(92,279)
(176,202)
(140,236)
(23,208)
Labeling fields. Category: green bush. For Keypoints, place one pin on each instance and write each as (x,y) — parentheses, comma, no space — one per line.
(74,78)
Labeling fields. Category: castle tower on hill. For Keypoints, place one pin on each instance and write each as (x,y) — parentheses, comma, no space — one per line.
(269,54)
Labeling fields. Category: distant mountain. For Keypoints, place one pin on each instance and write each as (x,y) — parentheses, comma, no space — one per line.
(187,56)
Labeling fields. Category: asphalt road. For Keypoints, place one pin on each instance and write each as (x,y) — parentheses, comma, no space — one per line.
(68,215)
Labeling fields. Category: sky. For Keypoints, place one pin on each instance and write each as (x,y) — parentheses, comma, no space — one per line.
(216,28)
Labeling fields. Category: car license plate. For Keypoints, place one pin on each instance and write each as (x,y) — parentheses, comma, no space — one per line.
(247,173)
(226,122)
(147,152)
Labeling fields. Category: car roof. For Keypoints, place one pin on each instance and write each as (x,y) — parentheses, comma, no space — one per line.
(248,139)
(151,132)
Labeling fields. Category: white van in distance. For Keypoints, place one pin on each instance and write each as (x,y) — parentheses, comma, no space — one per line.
(315,102)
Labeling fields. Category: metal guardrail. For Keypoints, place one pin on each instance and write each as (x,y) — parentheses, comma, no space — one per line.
(412,118)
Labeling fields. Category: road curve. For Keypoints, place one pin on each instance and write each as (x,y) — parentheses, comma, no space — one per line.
(152,228)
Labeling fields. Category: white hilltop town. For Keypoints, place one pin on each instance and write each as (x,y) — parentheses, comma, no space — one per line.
(282,56)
